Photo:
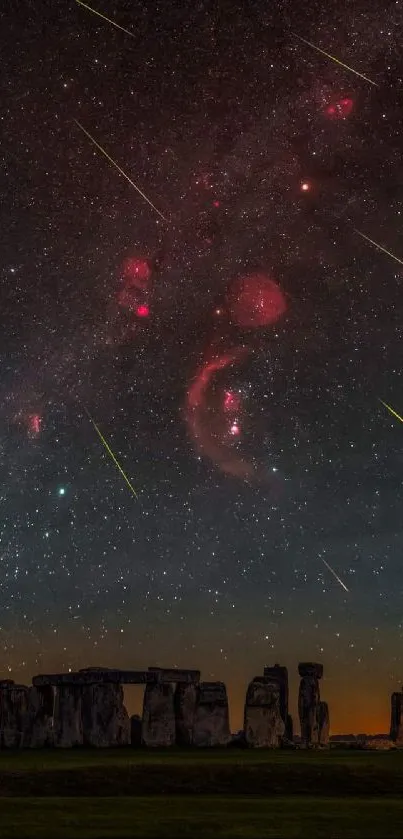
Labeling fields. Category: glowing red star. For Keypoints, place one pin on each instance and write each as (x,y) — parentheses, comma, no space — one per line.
(142,311)
(305,186)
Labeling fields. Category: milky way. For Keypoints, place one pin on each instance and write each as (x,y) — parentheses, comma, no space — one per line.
(264,158)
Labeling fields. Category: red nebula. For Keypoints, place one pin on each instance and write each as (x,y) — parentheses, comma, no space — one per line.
(340,109)
(256,300)
(136,272)
(232,401)
(207,434)
(142,311)
(216,204)
(34,424)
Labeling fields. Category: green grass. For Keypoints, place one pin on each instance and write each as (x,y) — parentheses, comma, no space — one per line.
(223,794)
(224,818)
(126,772)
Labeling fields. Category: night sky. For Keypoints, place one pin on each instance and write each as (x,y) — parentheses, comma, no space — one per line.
(233,353)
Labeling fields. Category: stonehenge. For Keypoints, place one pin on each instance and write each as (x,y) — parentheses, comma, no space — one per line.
(86,709)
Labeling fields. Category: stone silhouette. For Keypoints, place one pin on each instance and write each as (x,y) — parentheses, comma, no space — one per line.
(185,702)
(13,714)
(396,721)
(104,717)
(323,724)
(281,674)
(87,708)
(308,702)
(263,722)
(41,706)
(135,726)
(211,720)
(158,727)
(67,724)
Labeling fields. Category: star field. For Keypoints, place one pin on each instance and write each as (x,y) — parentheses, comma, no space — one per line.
(245,412)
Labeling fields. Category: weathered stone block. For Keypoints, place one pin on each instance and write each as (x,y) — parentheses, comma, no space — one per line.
(308,702)
(104,716)
(41,704)
(13,714)
(67,726)
(263,724)
(158,726)
(211,721)
(323,724)
(135,725)
(396,722)
(185,701)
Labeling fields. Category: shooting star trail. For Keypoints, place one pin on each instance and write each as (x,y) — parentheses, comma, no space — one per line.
(335,575)
(116,165)
(394,413)
(110,452)
(380,248)
(112,22)
(336,60)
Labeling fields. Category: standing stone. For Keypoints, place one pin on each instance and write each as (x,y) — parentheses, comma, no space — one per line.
(158,726)
(308,702)
(211,721)
(396,721)
(13,714)
(104,716)
(185,700)
(41,704)
(135,726)
(281,675)
(68,728)
(323,724)
(263,723)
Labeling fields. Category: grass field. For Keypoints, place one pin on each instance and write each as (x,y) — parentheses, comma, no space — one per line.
(201,818)
(83,793)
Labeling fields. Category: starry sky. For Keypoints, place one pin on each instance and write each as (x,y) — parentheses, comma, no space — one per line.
(252,433)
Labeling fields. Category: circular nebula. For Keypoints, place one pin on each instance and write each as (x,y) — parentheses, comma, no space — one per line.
(256,300)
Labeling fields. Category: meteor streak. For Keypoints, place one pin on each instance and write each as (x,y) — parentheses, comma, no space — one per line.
(380,248)
(116,165)
(110,452)
(336,60)
(395,414)
(94,12)
(335,575)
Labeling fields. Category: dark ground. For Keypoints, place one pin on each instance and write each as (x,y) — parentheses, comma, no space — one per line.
(201,794)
